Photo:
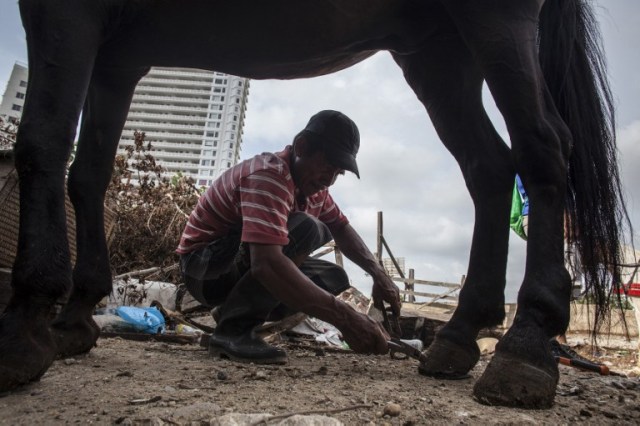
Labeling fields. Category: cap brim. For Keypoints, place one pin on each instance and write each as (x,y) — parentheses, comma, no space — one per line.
(345,161)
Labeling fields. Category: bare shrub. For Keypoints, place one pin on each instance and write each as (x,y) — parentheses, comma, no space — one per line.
(150,213)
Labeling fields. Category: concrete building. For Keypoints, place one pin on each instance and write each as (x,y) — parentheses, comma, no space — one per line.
(194,120)
(13,98)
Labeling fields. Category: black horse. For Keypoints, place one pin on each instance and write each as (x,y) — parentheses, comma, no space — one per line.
(540,60)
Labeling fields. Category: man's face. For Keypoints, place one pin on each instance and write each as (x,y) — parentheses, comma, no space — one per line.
(313,173)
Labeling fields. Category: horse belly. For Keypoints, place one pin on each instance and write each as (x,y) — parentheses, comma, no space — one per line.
(274,39)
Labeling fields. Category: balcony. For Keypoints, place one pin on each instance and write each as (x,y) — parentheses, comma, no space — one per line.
(141,125)
(162,118)
(164,136)
(143,89)
(173,82)
(171,100)
(201,75)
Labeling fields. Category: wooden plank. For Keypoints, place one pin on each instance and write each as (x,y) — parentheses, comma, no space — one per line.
(393,259)
(416,293)
(431,283)
(322,253)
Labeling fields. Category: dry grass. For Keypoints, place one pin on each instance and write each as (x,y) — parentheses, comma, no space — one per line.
(150,215)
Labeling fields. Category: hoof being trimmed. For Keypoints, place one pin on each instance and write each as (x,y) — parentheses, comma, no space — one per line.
(510,382)
(449,360)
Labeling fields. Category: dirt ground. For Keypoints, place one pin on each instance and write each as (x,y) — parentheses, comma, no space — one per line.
(129,382)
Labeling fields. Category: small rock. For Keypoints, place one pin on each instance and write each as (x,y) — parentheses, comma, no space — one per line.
(585,413)
(260,375)
(322,371)
(70,361)
(221,375)
(392,409)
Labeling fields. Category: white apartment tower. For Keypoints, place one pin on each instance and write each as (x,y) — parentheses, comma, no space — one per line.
(193,118)
(14,94)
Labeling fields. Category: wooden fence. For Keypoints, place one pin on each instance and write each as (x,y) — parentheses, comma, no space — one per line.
(447,299)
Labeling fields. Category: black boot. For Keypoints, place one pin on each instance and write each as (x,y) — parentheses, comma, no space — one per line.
(247,306)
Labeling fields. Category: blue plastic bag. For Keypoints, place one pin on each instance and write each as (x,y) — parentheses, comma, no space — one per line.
(147,320)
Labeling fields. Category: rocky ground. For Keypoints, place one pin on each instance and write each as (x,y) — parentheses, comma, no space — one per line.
(130,382)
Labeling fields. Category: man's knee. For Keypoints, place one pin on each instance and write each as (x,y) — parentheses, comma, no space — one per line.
(306,233)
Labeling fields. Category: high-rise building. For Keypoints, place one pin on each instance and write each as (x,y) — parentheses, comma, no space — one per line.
(194,120)
(13,99)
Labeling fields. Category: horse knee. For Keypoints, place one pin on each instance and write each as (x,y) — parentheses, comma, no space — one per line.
(34,151)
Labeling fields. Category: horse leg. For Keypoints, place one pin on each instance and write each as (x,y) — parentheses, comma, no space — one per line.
(60,65)
(502,37)
(103,117)
(448,82)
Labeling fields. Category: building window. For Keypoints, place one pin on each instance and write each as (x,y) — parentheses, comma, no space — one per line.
(237,100)
(16,107)
(205,162)
(23,83)
(218,81)
(228,164)
(230,155)
(20,95)
(207,153)
(208,143)
(209,134)
(215,143)
(202,182)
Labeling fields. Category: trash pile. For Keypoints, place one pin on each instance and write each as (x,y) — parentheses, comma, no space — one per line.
(155,310)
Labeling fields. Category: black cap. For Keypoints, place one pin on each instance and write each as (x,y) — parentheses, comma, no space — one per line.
(340,138)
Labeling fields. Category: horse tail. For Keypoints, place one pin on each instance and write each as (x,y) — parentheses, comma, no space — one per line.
(573,65)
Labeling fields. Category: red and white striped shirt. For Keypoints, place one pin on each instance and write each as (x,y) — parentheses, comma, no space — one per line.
(256,196)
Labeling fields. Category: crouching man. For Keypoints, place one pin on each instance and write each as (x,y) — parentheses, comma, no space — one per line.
(246,246)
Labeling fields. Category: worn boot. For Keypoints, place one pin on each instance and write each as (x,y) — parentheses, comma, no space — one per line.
(247,306)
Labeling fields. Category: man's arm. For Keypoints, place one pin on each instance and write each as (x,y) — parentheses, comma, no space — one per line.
(384,289)
(286,283)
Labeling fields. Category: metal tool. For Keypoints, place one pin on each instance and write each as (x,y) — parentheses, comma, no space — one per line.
(400,349)
(390,321)
(601,369)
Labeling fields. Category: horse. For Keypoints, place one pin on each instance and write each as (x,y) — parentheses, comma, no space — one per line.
(544,67)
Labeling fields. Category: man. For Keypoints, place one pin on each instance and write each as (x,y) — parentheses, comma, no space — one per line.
(246,245)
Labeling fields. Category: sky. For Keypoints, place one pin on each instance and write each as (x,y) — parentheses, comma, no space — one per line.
(405,170)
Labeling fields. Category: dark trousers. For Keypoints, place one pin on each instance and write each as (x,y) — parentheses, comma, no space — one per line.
(218,274)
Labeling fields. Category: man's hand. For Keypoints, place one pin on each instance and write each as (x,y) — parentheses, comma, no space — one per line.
(365,336)
(385,290)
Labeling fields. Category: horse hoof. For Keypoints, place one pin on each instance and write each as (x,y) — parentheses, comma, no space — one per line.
(448,360)
(26,351)
(509,381)
(74,339)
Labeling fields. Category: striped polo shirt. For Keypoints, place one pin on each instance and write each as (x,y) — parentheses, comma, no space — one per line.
(255,196)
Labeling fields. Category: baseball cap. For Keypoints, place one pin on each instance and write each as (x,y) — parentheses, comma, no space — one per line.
(339,136)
